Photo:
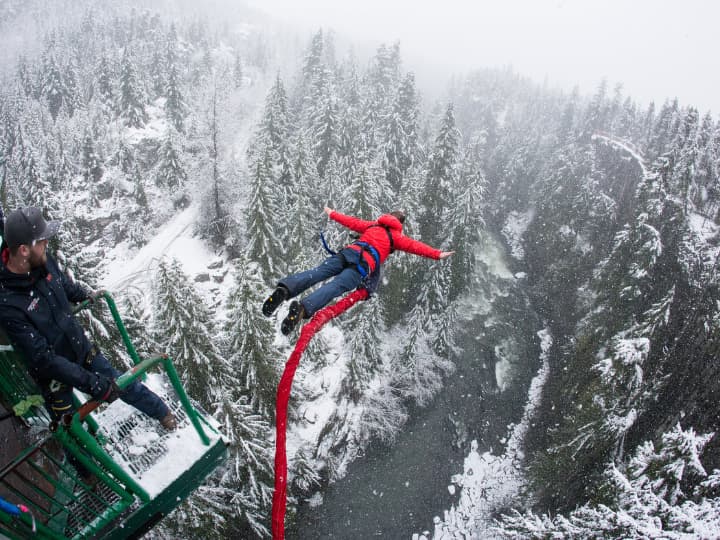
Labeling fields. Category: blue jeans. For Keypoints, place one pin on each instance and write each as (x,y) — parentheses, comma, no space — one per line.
(347,278)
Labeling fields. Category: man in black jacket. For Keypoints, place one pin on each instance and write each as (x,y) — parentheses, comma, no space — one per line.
(36,314)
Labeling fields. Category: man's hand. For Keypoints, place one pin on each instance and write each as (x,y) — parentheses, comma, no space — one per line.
(96,295)
(328,210)
(105,389)
(445,254)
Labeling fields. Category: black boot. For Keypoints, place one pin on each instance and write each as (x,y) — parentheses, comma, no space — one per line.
(297,312)
(278,296)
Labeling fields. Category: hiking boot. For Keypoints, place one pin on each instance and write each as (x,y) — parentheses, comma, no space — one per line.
(169,422)
(297,312)
(278,296)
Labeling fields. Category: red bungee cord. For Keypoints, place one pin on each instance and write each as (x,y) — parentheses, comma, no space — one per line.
(283,396)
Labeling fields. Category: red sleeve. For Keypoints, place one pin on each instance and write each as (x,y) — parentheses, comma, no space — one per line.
(405,243)
(353,223)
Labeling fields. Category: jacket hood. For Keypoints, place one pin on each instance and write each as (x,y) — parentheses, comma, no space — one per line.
(390,221)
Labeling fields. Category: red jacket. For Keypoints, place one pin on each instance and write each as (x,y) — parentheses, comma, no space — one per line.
(377,237)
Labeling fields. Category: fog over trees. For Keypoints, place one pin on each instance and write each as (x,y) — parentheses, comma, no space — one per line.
(118,117)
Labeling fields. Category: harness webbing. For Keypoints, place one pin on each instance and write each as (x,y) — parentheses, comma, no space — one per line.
(364,246)
(283,396)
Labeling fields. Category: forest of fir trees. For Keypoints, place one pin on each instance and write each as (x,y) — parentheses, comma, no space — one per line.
(614,267)
(76,141)
(621,261)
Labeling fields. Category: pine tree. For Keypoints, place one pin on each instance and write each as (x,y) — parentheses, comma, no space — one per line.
(91,161)
(300,237)
(275,123)
(324,131)
(466,223)
(72,100)
(311,76)
(171,173)
(52,85)
(238,71)
(413,370)
(217,222)
(249,338)
(401,134)
(25,76)
(263,245)
(124,157)
(364,349)
(131,107)
(183,327)
(175,107)
(440,179)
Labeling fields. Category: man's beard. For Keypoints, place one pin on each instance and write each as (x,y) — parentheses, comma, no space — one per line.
(36,261)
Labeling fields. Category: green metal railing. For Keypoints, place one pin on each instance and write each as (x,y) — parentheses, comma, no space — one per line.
(116,317)
(61,506)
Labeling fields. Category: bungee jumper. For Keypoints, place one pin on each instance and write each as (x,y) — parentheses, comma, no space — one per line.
(356,264)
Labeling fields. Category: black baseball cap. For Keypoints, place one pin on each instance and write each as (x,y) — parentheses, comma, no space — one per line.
(27,225)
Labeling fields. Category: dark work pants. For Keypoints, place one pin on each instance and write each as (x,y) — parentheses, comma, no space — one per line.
(347,278)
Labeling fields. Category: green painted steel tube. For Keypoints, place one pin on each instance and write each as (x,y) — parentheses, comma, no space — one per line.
(90,444)
(43,532)
(68,435)
(189,409)
(118,322)
(121,326)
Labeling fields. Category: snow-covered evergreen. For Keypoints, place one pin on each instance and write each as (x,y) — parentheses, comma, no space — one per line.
(144,131)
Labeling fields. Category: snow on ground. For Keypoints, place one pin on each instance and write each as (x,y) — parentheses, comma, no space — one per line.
(706,231)
(148,453)
(136,268)
(515,226)
(324,385)
(489,482)
(133,269)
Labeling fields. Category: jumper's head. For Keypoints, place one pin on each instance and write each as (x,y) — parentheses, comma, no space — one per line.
(399,214)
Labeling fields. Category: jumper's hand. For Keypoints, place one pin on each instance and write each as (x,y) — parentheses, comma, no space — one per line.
(328,210)
(446,254)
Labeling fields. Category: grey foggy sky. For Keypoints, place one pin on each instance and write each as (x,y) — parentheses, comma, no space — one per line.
(657,49)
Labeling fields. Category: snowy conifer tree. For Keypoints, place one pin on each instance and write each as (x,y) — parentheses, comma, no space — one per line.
(364,350)
(175,107)
(249,338)
(130,105)
(643,500)
(52,85)
(263,245)
(401,137)
(91,161)
(183,327)
(441,176)
(171,173)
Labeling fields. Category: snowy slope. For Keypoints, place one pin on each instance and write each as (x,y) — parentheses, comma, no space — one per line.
(128,269)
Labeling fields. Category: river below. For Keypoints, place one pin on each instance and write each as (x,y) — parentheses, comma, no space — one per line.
(395,491)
